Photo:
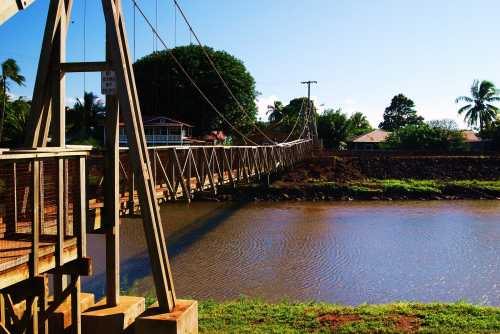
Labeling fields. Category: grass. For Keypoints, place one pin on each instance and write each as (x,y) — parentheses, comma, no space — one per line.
(251,316)
(368,189)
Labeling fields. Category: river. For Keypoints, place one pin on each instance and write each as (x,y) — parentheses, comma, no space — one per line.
(337,252)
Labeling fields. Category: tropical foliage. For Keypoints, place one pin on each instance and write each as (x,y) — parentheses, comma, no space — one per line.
(400,113)
(16,120)
(336,127)
(164,89)
(83,118)
(10,73)
(275,112)
(445,124)
(424,137)
(479,106)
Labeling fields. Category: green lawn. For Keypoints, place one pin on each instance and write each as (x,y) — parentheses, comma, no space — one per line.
(250,316)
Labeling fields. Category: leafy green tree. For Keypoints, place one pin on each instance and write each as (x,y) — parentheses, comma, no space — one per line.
(334,128)
(165,90)
(400,113)
(16,119)
(479,107)
(294,110)
(359,124)
(10,72)
(275,112)
(445,124)
(491,133)
(420,137)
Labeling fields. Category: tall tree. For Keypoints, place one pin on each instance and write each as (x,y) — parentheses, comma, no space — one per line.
(295,109)
(275,112)
(82,118)
(16,119)
(359,124)
(165,90)
(334,128)
(10,72)
(400,113)
(480,106)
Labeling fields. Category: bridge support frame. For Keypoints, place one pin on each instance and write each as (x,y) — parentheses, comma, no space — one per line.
(47,115)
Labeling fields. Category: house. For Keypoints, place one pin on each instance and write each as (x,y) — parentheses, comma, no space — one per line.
(374,140)
(369,141)
(161,130)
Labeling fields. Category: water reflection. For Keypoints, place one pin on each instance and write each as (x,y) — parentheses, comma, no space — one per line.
(346,252)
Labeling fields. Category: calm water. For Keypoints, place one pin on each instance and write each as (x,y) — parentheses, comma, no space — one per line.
(349,253)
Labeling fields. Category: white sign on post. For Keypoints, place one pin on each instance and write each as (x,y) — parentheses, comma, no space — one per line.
(108,83)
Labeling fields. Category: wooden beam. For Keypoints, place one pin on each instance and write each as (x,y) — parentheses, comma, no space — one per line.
(81,266)
(138,155)
(112,191)
(80,67)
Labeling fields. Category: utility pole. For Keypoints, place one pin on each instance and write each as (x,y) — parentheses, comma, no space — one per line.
(311,119)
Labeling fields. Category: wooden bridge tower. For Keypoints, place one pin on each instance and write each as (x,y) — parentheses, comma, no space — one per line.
(48,121)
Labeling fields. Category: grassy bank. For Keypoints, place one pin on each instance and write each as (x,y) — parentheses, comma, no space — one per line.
(248,316)
(365,190)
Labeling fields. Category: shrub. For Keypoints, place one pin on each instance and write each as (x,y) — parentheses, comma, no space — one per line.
(425,137)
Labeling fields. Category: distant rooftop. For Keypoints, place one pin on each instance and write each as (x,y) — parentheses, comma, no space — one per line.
(376,136)
(470,136)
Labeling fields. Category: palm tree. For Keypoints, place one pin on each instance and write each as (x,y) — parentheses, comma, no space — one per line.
(275,112)
(83,116)
(479,106)
(10,71)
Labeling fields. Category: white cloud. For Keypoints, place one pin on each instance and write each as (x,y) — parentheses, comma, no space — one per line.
(349,101)
(70,101)
(320,106)
(262,103)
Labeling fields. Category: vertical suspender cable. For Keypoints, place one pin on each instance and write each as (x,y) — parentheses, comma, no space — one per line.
(175,26)
(210,60)
(84,43)
(134,34)
(156,24)
(195,85)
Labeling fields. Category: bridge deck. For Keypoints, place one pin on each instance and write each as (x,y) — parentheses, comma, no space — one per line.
(15,254)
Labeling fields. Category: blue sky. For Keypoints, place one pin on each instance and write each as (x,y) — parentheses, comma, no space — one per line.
(362,52)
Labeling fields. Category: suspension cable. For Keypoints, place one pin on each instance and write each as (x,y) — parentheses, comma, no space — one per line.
(210,60)
(296,122)
(183,70)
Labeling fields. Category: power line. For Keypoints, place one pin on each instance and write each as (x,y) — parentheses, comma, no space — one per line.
(218,72)
(183,70)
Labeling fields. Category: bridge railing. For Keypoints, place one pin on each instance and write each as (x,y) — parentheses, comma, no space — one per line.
(42,208)
(179,171)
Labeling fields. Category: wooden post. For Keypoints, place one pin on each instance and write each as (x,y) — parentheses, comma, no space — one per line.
(138,153)
(209,172)
(35,222)
(76,311)
(112,193)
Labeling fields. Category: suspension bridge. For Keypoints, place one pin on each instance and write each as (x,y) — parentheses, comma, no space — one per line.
(54,195)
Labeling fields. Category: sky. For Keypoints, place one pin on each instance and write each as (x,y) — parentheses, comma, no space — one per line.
(361,52)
